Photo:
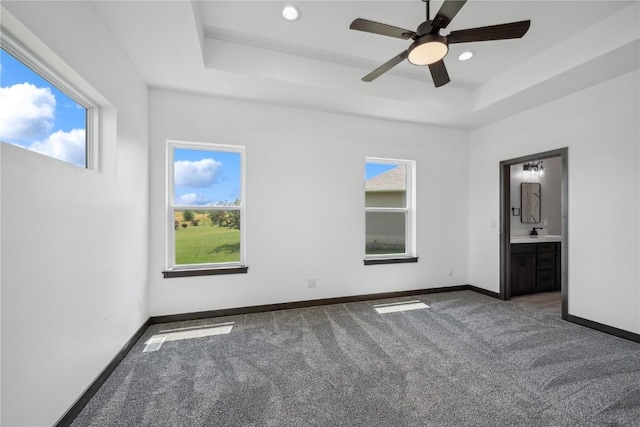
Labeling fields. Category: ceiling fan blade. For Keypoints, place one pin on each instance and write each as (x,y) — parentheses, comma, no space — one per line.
(382,29)
(439,73)
(385,67)
(445,15)
(514,30)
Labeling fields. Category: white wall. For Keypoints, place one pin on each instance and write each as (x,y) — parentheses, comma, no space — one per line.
(74,242)
(550,200)
(600,126)
(305,199)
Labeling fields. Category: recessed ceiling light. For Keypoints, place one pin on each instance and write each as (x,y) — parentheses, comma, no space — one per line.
(464,56)
(290,13)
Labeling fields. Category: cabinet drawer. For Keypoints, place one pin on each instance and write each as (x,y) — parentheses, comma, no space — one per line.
(523,248)
(546,260)
(546,280)
(546,247)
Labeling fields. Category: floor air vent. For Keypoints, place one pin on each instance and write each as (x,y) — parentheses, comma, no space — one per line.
(153,344)
(400,306)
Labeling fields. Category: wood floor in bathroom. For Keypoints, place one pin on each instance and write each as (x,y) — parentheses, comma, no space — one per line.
(551,302)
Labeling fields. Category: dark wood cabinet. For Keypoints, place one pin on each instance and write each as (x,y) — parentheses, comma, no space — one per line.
(558,269)
(535,267)
(523,273)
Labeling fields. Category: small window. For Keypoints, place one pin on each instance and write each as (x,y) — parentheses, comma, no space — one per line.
(389,215)
(206,206)
(37,114)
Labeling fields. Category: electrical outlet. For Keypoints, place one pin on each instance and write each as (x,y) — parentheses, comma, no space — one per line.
(311,283)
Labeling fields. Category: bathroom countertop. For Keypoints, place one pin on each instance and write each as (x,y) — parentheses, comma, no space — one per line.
(536,239)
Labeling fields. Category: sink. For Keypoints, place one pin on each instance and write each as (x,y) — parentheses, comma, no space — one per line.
(536,239)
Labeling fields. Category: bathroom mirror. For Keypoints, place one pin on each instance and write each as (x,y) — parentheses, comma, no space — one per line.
(530,199)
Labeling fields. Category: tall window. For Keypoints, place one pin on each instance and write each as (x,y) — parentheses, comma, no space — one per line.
(41,114)
(389,211)
(206,205)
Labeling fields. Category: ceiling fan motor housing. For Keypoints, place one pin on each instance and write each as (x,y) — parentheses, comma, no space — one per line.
(428,49)
(424,28)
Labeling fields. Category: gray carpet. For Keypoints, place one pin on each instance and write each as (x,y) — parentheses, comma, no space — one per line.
(467,360)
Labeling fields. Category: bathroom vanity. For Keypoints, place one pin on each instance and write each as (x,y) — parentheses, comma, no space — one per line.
(535,264)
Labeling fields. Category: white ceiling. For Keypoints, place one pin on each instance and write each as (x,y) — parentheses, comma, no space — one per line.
(246,50)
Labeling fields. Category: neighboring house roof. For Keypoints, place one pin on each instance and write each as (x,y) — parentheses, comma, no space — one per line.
(392,180)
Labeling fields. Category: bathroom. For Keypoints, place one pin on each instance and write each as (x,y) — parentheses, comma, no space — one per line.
(536,231)
(545,216)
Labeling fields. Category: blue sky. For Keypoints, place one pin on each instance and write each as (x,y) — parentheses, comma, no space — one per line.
(375,169)
(205,177)
(38,116)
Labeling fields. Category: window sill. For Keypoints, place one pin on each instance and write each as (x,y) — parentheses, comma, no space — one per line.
(399,260)
(204,272)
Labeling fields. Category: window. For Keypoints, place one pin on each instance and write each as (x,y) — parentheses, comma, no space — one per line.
(206,206)
(389,208)
(40,111)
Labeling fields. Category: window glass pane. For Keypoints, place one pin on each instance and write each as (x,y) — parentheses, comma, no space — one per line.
(385,185)
(36,115)
(206,177)
(203,237)
(386,232)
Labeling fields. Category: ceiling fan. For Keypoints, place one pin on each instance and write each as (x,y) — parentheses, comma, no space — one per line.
(429,47)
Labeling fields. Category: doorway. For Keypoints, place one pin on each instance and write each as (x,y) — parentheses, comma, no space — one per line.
(505,223)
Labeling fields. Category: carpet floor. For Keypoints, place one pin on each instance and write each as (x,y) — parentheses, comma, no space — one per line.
(465,360)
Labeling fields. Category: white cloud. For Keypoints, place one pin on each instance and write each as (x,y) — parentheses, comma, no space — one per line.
(26,112)
(199,174)
(68,146)
(191,199)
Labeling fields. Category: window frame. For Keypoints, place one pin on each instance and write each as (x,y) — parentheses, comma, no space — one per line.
(31,60)
(409,210)
(184,270)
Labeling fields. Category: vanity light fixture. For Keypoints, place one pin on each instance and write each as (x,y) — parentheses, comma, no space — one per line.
(290,13)
(533,168)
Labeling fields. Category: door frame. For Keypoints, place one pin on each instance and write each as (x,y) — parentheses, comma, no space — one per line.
(505,223)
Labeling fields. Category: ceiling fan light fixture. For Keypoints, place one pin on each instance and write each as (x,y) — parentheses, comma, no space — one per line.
(428,49)
(290,13)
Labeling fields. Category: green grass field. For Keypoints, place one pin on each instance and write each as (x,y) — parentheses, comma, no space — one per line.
(206,244)
(380,251)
